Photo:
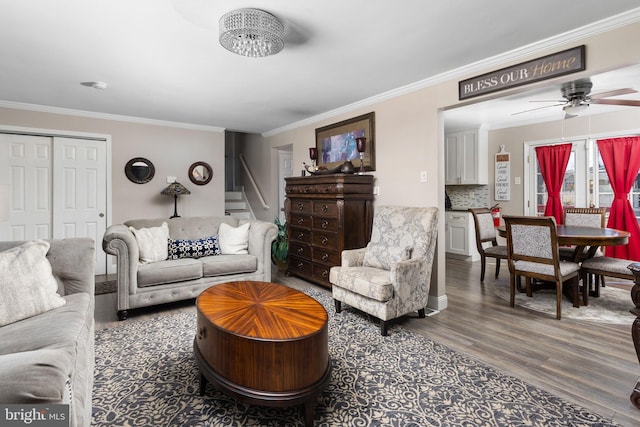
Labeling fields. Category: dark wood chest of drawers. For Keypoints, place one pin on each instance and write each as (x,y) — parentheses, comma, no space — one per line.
(326,214)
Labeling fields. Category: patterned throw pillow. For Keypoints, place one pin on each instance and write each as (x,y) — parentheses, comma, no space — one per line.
(193,248)
(384,257)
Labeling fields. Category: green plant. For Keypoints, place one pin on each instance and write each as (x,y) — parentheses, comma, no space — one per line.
(280,246)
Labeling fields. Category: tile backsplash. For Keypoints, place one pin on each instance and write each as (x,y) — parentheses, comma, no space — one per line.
(468,196)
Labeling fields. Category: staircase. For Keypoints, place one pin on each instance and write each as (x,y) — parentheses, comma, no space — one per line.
(235,204)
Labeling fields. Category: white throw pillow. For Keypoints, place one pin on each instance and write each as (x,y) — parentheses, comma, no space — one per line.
(153,243)
(27,285)
(233,240)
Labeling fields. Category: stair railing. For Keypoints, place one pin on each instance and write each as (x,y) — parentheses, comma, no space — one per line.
(245,166)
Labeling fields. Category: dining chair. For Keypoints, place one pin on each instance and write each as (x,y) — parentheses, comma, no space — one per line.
(598,267)
(532,253)
(584,217)
(486,233)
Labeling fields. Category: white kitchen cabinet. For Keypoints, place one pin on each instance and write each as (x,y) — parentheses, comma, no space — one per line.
(460,234)
(466,157)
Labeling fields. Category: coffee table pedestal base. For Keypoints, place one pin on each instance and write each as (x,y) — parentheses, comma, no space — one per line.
(306,396)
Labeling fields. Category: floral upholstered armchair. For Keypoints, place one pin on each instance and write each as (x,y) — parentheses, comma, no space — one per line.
(391,277)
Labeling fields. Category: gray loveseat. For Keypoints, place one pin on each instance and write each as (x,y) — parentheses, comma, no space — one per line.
(142,285)
(49,358)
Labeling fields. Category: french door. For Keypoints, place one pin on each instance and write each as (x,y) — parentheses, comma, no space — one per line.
(577,186)
(586,183)
(57,189)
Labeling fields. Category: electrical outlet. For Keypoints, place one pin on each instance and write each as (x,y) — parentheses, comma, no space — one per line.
(472,195)
(516,180)
(376,189)
(171,179)
(423,176)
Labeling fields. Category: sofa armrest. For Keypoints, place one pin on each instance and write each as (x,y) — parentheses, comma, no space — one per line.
(353,257)
(73,264)
(118,240)
(261,234)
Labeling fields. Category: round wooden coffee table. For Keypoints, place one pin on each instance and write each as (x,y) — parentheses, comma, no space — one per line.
(263,343)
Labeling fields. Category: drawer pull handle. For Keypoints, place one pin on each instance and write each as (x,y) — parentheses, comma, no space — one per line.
(325,273)
(300,220)
(306,189)
(325,240)
(300,250)
(325,257)
(325,224)
(325,208)
(300,265)
(300,206)
(301,236)
(202,333)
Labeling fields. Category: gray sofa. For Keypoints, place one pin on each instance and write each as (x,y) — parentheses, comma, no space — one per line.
(49,358)
(142,285)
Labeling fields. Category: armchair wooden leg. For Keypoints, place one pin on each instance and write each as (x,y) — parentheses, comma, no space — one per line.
(384,326)
(338,305)
(497,267)
(421,313)
(122,315)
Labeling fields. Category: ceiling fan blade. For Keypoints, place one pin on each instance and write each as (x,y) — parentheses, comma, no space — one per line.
(610,93)
(554,100)
(628,102)
(539,108)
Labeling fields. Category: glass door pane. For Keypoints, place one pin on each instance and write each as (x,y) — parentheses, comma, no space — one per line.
(568,192)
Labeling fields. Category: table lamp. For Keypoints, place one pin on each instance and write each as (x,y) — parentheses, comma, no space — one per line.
(175,189)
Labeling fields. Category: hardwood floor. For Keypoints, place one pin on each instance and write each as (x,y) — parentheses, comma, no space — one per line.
(593,365)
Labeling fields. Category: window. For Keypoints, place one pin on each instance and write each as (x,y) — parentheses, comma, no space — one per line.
(573,183)
(584,185)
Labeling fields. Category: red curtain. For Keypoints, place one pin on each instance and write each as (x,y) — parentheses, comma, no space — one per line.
(553,160)
(621,157)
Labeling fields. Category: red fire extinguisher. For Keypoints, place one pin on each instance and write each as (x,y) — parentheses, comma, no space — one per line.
(495,214)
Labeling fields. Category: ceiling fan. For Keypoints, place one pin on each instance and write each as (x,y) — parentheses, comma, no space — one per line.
(576,98)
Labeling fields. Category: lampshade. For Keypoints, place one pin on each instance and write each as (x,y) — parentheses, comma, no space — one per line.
(175,189)
(251,32)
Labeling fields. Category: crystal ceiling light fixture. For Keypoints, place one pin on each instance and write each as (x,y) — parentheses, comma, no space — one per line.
(251,32)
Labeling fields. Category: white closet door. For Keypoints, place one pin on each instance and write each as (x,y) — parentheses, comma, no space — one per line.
(25,166)
(80,199)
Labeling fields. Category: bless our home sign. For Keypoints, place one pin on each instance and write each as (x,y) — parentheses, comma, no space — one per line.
(554,65)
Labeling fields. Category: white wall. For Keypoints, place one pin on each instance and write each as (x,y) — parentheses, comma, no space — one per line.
(171,150)
(410,135)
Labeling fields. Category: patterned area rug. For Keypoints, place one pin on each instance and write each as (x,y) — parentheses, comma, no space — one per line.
(146,375)
(611,307)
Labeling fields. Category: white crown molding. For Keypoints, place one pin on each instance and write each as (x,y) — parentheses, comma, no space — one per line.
(595,28)
(106,116)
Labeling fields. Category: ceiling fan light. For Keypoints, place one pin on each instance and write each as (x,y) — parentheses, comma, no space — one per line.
(575,109)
